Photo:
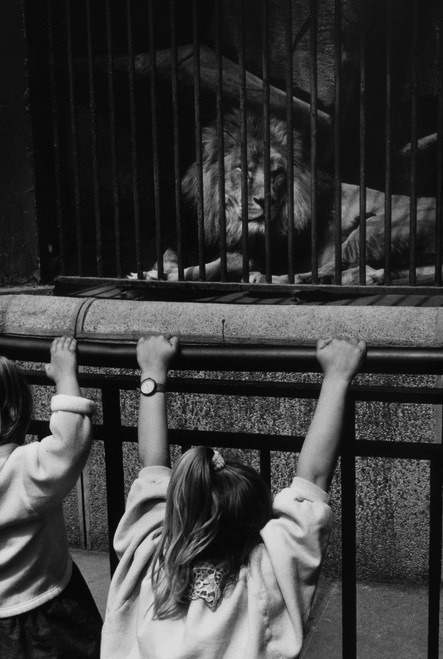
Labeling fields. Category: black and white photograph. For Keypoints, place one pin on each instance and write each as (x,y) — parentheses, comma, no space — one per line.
(221,329)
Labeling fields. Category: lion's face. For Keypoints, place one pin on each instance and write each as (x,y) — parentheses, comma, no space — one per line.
(254,196)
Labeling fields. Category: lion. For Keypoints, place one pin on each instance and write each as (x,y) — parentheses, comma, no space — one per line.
(280,219)
(279,213)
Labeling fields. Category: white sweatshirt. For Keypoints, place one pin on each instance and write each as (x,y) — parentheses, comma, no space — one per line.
(35,564)
(262,615)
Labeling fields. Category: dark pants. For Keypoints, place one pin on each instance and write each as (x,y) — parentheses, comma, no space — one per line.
(66,627)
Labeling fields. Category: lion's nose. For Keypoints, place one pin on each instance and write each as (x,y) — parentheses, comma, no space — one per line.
(261,202)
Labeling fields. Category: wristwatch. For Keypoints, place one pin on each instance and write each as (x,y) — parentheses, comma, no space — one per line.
(149,387)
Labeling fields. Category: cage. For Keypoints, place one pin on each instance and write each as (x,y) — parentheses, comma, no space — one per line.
(241,142)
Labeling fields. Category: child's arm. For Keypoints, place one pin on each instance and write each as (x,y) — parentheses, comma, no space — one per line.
(39,475)
(340,360)
(154,354)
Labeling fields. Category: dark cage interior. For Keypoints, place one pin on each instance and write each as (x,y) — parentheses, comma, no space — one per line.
(237,140)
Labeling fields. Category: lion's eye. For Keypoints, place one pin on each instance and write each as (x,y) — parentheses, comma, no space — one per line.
(278,174)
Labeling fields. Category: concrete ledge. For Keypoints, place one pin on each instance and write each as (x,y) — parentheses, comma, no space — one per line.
(125,320)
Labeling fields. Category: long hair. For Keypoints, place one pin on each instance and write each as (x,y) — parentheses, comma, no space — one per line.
(211,515)
(15,403)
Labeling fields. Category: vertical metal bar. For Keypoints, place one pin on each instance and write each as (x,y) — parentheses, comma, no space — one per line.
(94,145)
(439,204)
(154,133)
(265,466)
(175,125)
(414,145)
(133,129)
(290,141)
(362,139)
(337,138)
(267,137)
(198,142)
(73,141)
(56,144)
(113,140)
(435,540)
(349,545)
(84,507)
(243,137)
(220,140)
(388,143)
(313,131)
(115,490)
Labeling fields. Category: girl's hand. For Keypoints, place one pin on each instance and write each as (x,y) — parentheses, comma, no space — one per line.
(155,353)
(63,366)
(340,358)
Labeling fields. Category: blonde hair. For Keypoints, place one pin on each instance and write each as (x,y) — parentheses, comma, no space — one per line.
(15,403)
(213,514)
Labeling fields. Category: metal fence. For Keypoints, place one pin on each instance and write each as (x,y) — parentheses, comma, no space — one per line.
(270,359)
(121,98)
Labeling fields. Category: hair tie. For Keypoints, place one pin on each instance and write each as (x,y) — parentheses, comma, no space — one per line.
(217,461)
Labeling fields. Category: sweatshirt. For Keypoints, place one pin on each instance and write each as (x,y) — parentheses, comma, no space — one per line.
(261,615)
(35,563)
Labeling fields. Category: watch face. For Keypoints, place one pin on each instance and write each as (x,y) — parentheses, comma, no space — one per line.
(147,387)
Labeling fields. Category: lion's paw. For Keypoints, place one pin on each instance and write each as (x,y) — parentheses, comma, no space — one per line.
(150,275)
(256,277)
(172,275)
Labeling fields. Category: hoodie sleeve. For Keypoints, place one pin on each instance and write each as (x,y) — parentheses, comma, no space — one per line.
(145,508)
(39,475)
(296,542)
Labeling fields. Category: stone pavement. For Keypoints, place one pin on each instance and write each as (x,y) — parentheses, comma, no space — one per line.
(392,619)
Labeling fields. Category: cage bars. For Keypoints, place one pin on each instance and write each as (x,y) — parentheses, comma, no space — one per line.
(134,141)
(362,143)
(73,141)
(313,140)
(220,139)
(94,143)
(176,133)
(439,205)
(198,141)
(80,203)
(290,139)
(388,143)
(56,142)
(267,137)
(414,147)
(243,137)
(337,138)
(113,141)
(155,139)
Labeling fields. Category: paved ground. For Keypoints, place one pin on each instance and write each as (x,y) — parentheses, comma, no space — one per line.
(392,620)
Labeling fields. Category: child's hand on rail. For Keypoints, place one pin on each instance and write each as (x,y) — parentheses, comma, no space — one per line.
(340,358)
(62,368)
(155,353)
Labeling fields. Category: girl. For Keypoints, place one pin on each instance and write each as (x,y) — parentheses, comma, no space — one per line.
(209,567)
(46,609)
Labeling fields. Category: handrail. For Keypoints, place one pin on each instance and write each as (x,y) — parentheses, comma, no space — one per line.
(231,356)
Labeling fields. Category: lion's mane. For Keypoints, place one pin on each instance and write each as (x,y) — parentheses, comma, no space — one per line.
(255,130)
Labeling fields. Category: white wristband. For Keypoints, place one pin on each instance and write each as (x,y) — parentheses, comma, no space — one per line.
(77,404)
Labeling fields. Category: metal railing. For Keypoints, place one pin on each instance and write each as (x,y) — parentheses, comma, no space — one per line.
(131,92)
(276,359)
